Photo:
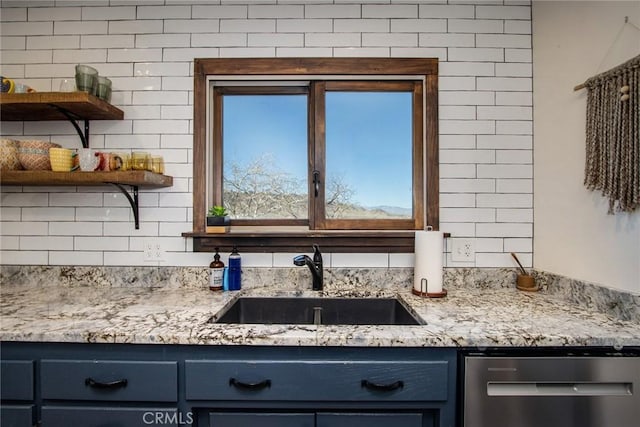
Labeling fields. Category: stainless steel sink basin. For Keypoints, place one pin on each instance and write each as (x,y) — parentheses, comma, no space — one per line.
(324,311)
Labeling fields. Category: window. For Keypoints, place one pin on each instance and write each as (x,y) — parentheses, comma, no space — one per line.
(317,144)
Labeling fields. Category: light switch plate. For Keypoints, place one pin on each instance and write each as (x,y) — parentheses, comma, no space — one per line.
(463,250)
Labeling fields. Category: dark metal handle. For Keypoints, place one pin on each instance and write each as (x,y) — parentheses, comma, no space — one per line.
(382,387)
(98,384)
(250,386)
(316,182)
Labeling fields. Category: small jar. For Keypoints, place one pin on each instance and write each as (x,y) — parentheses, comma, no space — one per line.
(139,160)
(157,164)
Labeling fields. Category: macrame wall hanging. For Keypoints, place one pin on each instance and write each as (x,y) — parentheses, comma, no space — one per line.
(613,135)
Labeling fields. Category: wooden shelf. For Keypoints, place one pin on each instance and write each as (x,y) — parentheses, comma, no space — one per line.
(49,178)
(381,241)
(134,179)
(38,106)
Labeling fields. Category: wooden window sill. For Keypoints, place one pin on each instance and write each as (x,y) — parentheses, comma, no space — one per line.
(374,241)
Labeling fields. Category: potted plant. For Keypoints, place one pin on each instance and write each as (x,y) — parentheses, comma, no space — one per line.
(217,216)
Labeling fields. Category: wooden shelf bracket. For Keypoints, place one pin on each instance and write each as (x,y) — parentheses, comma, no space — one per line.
(72,118)
(133,201)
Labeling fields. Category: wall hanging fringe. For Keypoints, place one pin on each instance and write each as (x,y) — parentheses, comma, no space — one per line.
(613,135)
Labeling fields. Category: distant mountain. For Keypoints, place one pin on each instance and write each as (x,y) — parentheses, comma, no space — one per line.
(393,210)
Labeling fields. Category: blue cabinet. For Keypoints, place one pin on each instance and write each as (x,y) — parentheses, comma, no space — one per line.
(129,385)
(17,393)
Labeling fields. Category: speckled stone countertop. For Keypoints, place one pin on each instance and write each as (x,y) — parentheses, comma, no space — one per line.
(482,316)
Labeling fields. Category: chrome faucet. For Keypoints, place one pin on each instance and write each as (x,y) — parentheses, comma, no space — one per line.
(314,265)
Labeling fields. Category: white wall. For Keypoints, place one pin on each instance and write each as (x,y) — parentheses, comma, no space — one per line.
(485,112)
(574,236)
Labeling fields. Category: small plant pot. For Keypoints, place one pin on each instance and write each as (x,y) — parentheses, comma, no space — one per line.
(213,221)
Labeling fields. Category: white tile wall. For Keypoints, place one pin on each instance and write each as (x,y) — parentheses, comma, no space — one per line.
(148,47)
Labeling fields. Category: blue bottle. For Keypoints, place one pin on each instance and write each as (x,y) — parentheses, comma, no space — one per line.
(235,271)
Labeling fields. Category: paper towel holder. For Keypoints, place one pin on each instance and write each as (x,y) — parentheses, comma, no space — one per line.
(423,291)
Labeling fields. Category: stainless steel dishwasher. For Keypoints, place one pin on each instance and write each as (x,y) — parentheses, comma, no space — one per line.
(551,391)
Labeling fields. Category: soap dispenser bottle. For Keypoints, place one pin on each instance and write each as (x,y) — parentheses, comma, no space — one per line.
(235,271)
(216,273)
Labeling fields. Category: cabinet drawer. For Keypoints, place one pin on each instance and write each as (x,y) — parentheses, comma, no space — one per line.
(369,420)
(110,380)
(261,419)
(66,416)
(16,415)
(316,380)
(16,379)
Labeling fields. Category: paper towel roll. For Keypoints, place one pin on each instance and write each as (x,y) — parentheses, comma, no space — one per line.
(428,261)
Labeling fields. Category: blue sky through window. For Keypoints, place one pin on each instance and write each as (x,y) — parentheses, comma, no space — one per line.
(369,140)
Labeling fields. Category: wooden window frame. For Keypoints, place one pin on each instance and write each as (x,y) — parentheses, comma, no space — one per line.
(379,240)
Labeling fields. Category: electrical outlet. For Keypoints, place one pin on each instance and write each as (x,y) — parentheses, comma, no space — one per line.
(153,251)
(463,250)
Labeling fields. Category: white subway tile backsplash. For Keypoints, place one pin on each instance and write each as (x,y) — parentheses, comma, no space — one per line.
(503,12)
(514,127)
(467,185)
(514,98)
(514,70)
(134,55)
(78,56)
(418,25)
(163,12)
(276,11)
(135,27)
(24,228)
(505,83)
(53,13)
(446,11)
(304,25)
(9,242)
(517,55)
(503,40)
(514,185)
(515,215)
(109,13)
(163,40)
(359,260)
(490,26)
(517,27)
(504,200)
(24,199)
(13,43)
(505,171)
(24,257)
(509,142)
(467,69)
(270,39)
(13,14)
(75,199)
(147,48)
(479,54)
(78,257)
(73,228)
(247,25)
(46,243)
(450,142)
(26,57)
(84,27)
(505,113)
(333,11)
(219,11)
(188,54)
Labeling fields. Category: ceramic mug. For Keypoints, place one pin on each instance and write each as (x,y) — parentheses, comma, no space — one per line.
(62,159)
(89,160)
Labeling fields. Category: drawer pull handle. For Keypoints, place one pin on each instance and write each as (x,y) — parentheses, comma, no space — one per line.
(382,387)
(98,384)
(250,386)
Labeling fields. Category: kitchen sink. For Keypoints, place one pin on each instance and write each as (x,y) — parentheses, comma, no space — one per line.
(323,311)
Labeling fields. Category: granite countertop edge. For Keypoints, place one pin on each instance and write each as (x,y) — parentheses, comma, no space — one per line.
(467,317)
